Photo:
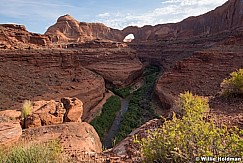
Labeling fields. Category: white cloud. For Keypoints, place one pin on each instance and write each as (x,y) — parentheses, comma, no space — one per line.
(104,15)
(171,11)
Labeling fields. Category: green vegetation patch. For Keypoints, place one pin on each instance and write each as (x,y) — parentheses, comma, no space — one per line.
(185,138)
(35,153)
(139,109)
(122,92)
(103,123)
(233,85)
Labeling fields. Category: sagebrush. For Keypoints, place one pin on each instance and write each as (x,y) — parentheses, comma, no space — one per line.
(183,139)
(233,85)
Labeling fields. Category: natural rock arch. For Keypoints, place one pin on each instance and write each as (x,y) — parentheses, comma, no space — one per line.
(129,38)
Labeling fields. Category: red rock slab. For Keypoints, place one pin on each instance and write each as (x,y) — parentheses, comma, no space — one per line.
(72,136)
(9,133)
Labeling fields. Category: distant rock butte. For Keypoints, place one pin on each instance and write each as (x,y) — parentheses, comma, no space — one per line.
(67,29)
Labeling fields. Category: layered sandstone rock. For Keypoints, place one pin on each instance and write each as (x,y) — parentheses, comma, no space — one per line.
(73,136)
(201,74)
(114,61)
(10,133)
(47,75)
(53,74)
(118,67)
(14,36)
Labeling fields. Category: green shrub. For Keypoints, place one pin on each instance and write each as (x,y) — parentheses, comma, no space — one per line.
(191,106)
(34,153)
(183,139)
(233,85)
(122,92)
(26,109)
(103,123)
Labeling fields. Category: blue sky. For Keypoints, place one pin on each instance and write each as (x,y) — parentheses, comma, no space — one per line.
(38,15)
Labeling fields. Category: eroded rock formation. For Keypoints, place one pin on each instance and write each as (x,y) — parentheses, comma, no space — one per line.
(14,36)
(67,29)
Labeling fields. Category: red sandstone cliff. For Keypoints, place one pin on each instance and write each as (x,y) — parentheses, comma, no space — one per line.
(226,17)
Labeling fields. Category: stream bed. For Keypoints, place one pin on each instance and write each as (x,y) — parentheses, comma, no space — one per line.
(110,136)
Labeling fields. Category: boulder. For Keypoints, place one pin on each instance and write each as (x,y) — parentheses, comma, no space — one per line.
(53,112)
(73,136)
(166,100)
(74,109)
(45,113)
(9,133)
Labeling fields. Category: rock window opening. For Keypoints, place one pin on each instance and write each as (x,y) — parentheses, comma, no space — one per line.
(129,38)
